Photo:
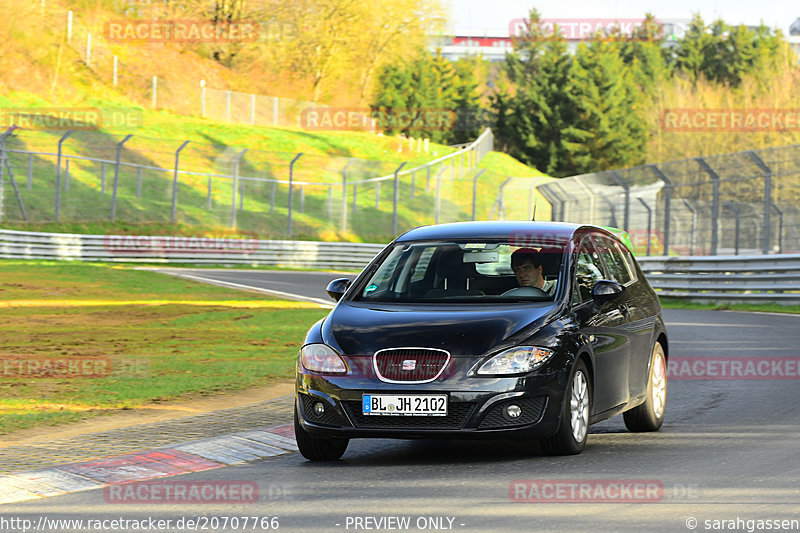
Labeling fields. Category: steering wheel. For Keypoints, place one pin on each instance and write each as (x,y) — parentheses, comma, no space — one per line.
(526,291)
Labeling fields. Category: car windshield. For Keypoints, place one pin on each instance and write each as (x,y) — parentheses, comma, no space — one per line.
(458,271)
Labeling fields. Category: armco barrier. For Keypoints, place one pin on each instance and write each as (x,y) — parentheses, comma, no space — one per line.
(754,278)
(190,250)
(731,279)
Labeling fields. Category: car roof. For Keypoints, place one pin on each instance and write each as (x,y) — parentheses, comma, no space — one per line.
(509,229)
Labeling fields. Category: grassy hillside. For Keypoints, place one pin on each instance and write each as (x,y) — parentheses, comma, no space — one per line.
(38,69)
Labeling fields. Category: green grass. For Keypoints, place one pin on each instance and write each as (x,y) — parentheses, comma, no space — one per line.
(676,303)
(200,340)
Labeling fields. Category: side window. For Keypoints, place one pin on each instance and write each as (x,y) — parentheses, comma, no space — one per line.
(615,265)
(588,270)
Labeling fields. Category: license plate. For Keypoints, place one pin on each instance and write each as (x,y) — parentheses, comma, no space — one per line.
(404,404)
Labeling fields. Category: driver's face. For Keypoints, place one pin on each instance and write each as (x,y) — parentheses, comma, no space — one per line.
(528,275)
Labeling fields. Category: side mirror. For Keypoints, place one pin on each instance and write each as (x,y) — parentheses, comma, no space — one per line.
(337,288)
(606,290)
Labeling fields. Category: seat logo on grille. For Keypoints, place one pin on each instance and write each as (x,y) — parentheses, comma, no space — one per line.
(409,364)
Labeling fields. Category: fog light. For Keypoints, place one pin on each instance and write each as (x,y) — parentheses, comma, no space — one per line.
(513,411)
(319,408)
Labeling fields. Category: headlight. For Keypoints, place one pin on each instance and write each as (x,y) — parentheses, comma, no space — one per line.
(321,358)
(518,360)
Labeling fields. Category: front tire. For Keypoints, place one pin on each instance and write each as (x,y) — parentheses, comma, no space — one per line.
(316,448)
(650,415)
(573,430)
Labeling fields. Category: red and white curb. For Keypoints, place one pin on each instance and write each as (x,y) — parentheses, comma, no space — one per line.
(194,456)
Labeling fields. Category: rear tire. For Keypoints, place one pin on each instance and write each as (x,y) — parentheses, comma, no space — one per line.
(316,448)
(650,415)
(573,429)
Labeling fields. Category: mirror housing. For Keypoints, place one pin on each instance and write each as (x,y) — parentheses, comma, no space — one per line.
(606,290)
(337,288)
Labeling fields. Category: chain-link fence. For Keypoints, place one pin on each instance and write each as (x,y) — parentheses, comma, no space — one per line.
(740,203)
(92,176)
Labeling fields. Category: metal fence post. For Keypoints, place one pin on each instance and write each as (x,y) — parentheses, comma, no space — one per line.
(66,174)
(732,207)
(627,188)
(649,223)
(396,197)
(272,197)
(116,177)
(30,171)
(694,225)
(138,182)
(765,230)
(330,202)
(667,201)
(714,203)
(780,227)
(175,182)
(302,206)
(343,223)
(291,188)
(58,172)
(355,197)
(102,178)
(235,185)
(208,195)
(475,190)
(13,181)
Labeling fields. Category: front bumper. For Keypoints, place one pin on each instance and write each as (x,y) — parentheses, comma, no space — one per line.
(476,407)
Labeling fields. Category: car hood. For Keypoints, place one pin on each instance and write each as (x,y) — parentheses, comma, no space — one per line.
(358,329)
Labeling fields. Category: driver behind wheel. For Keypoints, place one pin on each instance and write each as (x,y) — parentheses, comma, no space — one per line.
(527,266)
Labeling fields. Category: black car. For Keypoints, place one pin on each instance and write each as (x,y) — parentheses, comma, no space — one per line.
(524,330)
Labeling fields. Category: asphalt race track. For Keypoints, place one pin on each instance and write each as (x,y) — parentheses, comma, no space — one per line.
(726,458)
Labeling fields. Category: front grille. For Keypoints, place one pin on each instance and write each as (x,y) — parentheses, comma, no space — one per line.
(532,409)
(410,365)
(329,418)
(457,414)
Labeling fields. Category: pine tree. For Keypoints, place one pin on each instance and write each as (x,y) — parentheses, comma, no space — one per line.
(610,129)
(535,111)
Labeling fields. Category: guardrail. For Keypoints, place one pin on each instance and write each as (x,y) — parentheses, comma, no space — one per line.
(730,279)
(187,250)
(753,279)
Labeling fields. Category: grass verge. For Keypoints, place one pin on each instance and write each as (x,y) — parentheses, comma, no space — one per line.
(156,338)
(677,303)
